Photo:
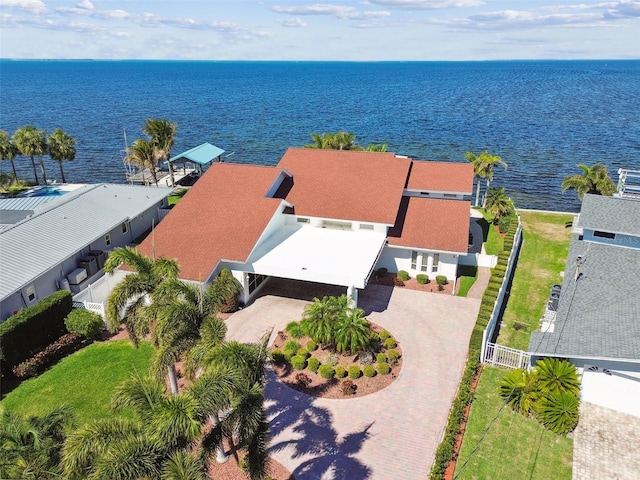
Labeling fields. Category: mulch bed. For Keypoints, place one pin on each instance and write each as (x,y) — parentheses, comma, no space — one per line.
(412,284)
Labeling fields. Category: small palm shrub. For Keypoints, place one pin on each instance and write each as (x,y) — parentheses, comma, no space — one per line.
(555,375)
(311,345)
(278,357)
(298,362)
(422,278)
(520,390)
(294,329)
(303,352)
(326,371)
(558,412)
(354,372)
(312,364)
(403,275)
(381,358)
(369,371)
(348,387)
(384,368)
(393,356)
(340,371)
(390,343)
(291,345)
(383,335)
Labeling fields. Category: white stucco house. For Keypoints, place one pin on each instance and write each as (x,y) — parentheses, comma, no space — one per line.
(325,216)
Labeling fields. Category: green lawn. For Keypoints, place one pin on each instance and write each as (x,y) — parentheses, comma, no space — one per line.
(515,447)
(493,243)
(468,276)
(542,259)
(83,381)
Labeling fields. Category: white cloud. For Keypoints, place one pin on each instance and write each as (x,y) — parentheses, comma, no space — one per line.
(337,11)
(86,4)
(292,22)
(33,6)
(427,4)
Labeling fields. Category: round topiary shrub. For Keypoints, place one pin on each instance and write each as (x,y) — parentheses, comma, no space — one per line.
(381,358)
(288,354)
(311,345)
(441,280)
(354,372)
(369,371)
(294,329)
(382,272)
(393,356)
(422,279)
(390,343)
(298,362)
(403,275)
(384,368)
(303,352)
(326,371)
(84,322)
(383,335)
(340,372)
(278,357)
(291,345)
(312,364)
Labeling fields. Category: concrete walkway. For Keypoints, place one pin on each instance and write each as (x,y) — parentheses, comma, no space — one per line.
(391,434)
(480,285)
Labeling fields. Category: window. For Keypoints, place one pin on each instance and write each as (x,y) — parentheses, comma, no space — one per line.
(302,220)
(436,263)
(423,262)
(366,226)
(107,240)
(600,234)
(414,259)
(124,227)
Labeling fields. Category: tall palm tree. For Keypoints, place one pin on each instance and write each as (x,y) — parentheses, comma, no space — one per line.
(338,141)
(162,134)
(498,203)
(352,331)
(345,141)
(318,320)
(62,146)
(8,151)
(483,167)
(377,147)
(32,142)
(594,180)
(142,154)
(320,141)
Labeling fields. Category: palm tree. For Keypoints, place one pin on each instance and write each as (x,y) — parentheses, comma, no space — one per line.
(558,412)
(594,180)
(377,147)
(32,142)
(318,320)
(319,141)
(352,331)
(8,151)
(555,375)
(483,166)
(520,390)
(142,154)
(31,447)
(162,134)
(498,203)
(345,141)
(62,146)
(338,141)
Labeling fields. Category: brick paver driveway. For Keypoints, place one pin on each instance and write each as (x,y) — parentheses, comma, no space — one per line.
(391,434)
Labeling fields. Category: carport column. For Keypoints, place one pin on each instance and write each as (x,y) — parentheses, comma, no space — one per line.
(352,296)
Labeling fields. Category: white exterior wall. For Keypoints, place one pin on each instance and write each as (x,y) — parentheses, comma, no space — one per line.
(395,259)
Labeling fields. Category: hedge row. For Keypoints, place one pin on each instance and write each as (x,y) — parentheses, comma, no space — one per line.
(33,328)
(464,397)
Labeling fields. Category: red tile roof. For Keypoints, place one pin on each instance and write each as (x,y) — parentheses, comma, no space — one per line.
(221,217)
(432,224)
(349,185)
(441,177)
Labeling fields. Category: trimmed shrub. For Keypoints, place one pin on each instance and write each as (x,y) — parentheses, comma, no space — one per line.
(441,280)
(84,322)
(403,275)
(383,335)
(311,345)
(54,352)
(381,357)
(278,357)
(291,345)
(331,359)
(390,343)
(294,329)
(303,352)
(504,223)
(366,358)
(298,362)
(288,354)
(382,272)
(348,387)
(340,371)
(384,368)
(393,356)
(422,278)
(312,364)
(354,372)
(326,371)
(369,371)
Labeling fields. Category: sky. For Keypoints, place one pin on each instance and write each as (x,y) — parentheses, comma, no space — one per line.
(368,30)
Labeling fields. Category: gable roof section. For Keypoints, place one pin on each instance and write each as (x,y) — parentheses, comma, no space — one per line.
(610,214)
(441,177)
(43,241)
(220,218)
(345,184)
(432,224)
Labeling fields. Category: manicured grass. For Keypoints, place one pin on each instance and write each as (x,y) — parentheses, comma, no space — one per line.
(493,243)
(542,259)
(468,276)
(515,447)
(83,381)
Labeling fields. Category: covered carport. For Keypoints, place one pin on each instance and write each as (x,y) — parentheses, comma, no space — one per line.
(198,157)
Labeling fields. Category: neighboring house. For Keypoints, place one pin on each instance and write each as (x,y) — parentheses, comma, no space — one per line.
(597,323)
(325,216)
(46,245)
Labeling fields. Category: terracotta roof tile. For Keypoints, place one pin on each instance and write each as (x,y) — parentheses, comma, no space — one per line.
(441,176)
(349,185)
(221,217)
(432,224)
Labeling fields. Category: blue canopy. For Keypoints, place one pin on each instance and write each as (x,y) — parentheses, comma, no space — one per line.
(202,154)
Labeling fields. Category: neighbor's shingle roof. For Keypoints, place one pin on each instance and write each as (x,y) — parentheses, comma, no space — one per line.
(221,217)
(348,185)
(441,177)
(610,214)
(432,224)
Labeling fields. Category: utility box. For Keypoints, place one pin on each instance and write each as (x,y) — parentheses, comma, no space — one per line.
(78,276)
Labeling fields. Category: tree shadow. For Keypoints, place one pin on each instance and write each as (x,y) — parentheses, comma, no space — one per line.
(313,435)
(374,298)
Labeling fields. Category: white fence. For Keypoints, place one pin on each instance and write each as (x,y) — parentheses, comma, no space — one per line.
(163,212)
(501,356)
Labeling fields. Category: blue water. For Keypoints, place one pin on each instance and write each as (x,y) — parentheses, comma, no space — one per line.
(45,191)
(541,117)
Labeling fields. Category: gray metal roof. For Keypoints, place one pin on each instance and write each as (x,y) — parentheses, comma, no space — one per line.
(599,314)
(39,243)
(610,214)
(26,203)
